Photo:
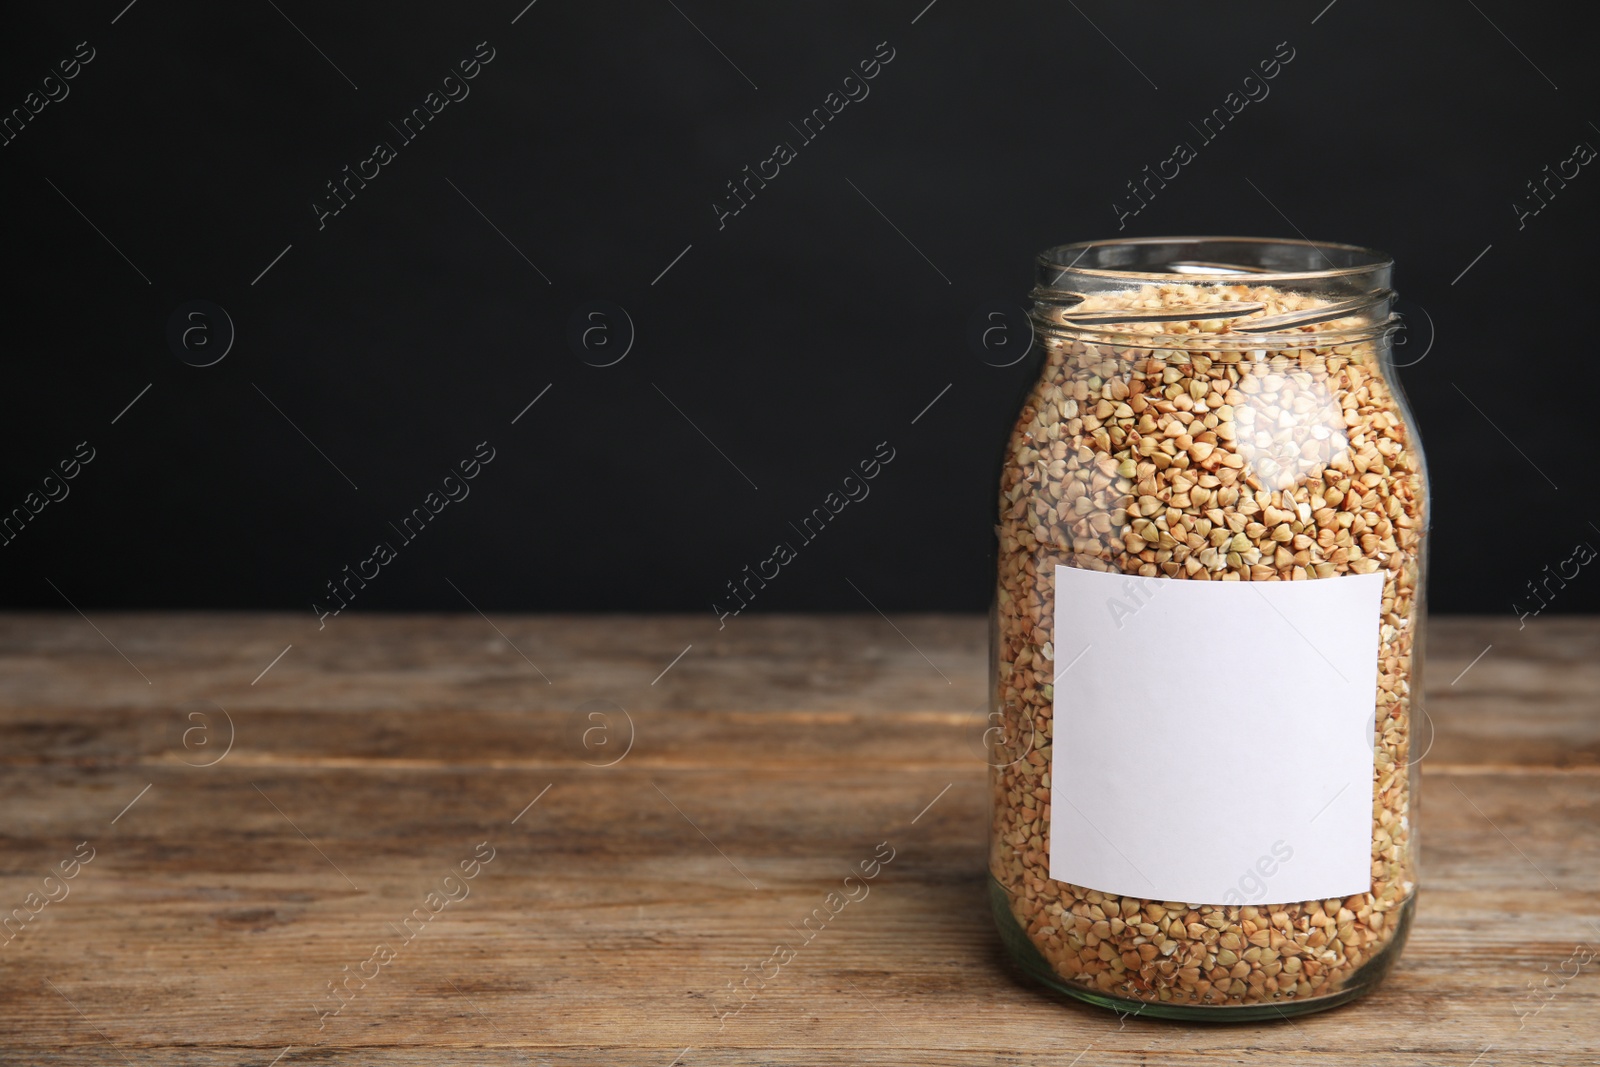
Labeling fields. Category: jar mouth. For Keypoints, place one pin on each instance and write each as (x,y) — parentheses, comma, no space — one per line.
(1266,260)
(1230,292)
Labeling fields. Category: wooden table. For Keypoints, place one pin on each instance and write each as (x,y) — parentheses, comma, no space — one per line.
(378,755)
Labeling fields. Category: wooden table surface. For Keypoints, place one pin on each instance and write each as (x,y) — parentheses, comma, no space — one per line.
(231,885)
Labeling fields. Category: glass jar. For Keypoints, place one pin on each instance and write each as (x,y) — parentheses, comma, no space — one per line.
(1206,634)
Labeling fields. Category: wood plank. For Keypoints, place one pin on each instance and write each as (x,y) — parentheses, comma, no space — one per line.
(608,925)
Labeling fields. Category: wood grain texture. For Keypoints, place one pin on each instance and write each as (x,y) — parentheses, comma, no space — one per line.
(377,754)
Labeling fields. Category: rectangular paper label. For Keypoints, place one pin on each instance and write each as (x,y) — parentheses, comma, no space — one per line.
(1213,741)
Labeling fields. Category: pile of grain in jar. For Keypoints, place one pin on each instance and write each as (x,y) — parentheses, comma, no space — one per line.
(1230,463)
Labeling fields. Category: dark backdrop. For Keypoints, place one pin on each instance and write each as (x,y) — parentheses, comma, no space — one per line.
(375,348)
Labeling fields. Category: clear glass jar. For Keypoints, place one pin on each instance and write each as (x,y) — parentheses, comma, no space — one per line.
(1206,634)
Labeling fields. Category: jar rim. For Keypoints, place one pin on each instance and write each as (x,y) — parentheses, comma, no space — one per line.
(1357,259)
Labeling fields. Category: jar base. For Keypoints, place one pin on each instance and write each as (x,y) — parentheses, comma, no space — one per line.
(1035,966)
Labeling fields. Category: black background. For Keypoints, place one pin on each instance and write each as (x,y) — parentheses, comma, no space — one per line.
(808,330)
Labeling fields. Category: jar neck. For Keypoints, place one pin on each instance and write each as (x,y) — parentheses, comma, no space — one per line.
(1097,290)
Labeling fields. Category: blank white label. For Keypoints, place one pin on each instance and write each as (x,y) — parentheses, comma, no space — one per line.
(1213,741)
